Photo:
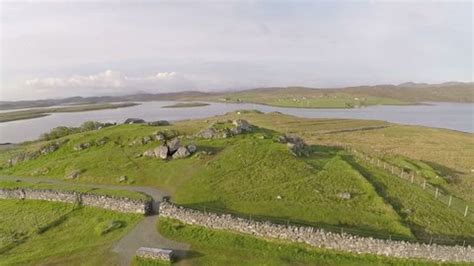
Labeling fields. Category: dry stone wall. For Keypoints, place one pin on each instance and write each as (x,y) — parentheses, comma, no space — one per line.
(320,238)
(125,205)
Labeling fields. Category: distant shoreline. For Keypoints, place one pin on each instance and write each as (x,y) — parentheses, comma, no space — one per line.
(41,112)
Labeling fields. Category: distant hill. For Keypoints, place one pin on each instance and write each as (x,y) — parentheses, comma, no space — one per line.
(349,97)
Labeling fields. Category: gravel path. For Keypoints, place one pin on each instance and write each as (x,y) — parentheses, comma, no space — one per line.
(144,234)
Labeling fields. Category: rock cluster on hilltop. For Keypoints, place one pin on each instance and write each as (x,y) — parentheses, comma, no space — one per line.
(220,130)
(85,145)
(31,155)
(295,144)
(171,149)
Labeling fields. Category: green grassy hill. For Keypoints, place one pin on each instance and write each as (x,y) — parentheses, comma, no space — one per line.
(254,175)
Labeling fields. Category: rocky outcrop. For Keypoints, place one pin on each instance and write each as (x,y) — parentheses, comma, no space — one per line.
(31,155)
(222,130)
(319,238)
(295,144)
(171,149)
(125,205)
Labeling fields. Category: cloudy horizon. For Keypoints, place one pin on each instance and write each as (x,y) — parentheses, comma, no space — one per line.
(53,50)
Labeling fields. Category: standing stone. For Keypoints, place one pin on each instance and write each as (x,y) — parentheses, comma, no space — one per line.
(161,152)
(182,152)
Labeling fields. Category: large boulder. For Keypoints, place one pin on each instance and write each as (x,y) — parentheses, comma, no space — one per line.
(173,145)
(182,152)
(134,121)
(161,152)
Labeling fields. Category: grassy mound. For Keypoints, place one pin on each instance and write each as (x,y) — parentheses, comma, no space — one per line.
(252,174)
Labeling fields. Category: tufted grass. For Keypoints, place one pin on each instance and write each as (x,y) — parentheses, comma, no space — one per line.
(215,247)
(34,232)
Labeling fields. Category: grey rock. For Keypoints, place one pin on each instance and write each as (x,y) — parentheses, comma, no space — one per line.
(82,146)
(159,123)
(49,148)
(160,137)
(149,153)
(344,195)
(182,152)
(242,124)
(73,174)
(208,133)
(161,152)
(173,145)
(134,121)
(192,148)
(123,179)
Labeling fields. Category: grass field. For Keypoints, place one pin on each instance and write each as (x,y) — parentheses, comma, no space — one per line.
(51,233)
(302,98)
(213,247)
(252,174)
(35,113)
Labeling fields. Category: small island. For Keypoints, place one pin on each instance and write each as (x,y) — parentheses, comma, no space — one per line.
(40,112)
(185,105)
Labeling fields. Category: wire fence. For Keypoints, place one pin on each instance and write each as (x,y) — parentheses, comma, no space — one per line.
(438,193)
(435,239)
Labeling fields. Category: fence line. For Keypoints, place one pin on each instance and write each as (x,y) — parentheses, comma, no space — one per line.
(409,176)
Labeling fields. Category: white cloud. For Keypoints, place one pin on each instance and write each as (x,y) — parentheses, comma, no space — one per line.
(111,81)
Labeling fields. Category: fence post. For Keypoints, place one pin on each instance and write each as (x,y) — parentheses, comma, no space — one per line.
(384,165)
(342,231)
(450,200)
(412,177)
(424,183)
(465,211)
(436,193)
(392,169)
(431,240)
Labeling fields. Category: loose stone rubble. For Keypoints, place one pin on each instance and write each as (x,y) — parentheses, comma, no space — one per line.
(125,205)
(320,238)
(31,155)
(239,126)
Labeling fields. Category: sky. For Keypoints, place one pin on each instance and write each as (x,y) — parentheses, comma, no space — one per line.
(59,49)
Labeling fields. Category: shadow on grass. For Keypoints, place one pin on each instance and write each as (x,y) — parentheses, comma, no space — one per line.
(182,255)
